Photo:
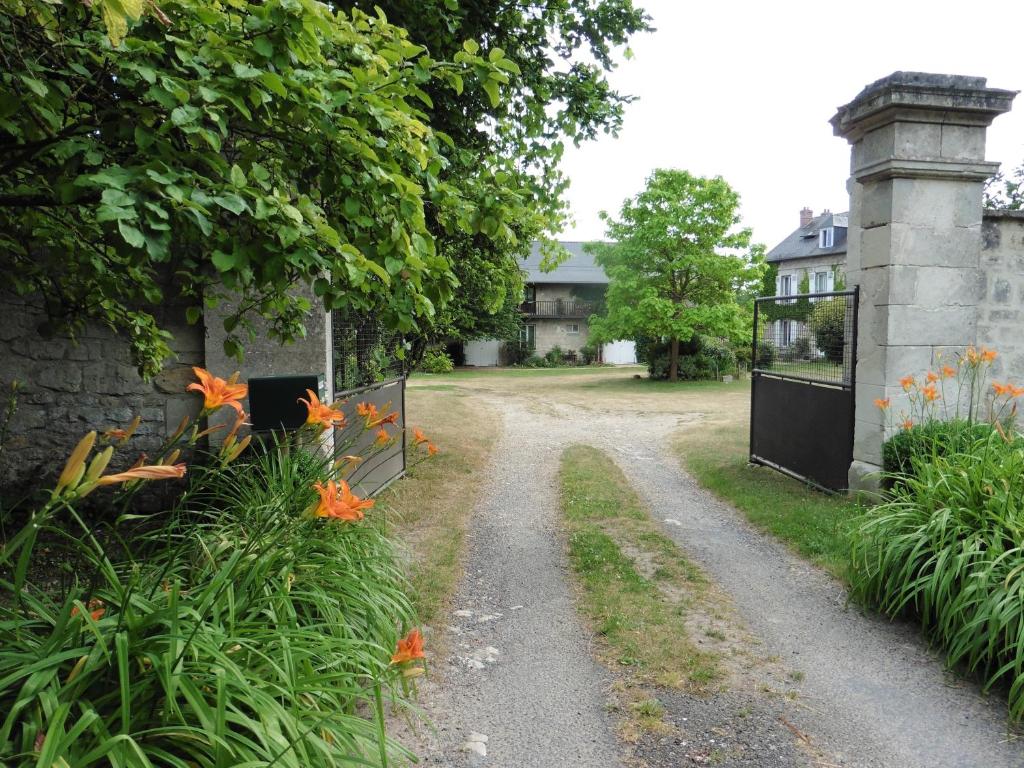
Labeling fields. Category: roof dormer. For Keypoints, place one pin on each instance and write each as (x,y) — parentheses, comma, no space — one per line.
(826,237)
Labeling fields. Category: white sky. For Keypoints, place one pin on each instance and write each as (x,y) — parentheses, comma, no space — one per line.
(745,90)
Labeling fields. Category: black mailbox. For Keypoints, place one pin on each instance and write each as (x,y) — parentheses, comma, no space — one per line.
(274,401)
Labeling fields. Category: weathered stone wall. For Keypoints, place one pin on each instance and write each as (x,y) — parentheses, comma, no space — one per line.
(69,388)
(552,333)
(1001,311)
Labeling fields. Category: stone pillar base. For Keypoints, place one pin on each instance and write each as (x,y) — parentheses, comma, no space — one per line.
(865,479)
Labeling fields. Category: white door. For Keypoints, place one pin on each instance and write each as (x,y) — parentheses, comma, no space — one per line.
(483,352)
(619,352)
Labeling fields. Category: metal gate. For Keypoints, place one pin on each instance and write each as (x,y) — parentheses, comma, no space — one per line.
(802,385)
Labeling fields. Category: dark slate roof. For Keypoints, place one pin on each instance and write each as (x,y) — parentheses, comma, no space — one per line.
(802,243)
(579,268)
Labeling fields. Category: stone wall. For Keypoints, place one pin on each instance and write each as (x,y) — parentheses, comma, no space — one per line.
(552,333)
(69,388)
(1001,311)
(267,357)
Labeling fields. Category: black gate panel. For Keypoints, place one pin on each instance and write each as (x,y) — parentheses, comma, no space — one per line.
(804,429)
(802,385)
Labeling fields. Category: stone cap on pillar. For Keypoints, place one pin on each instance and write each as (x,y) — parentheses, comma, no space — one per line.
(913,95)
(896,110)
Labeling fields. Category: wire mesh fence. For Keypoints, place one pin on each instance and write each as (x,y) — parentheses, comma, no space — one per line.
(365,352)
(808,336)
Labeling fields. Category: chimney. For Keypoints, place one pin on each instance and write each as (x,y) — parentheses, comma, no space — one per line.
(806,214)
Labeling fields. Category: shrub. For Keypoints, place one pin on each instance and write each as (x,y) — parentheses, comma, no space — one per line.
(766,354)
(802,348)
(827,322)
(945,547)
(436,361)
(555,356)
(588,353)
(517,352)
(536,361)
(702,357)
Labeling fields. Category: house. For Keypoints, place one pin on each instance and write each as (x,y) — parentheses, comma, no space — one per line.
(556,308)
(812,259)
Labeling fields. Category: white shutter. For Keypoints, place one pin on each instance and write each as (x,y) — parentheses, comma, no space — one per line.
(831,280)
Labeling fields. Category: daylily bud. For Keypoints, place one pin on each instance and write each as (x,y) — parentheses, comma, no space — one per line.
(75,467)
(99,463)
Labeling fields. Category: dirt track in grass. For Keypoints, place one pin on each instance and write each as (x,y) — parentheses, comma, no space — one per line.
(518,668)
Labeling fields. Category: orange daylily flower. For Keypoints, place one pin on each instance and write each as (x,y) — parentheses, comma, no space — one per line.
(321,413)
(409,648)
(988,355)
(1001,389)
(391,418)
(907,382)
(908,424)
(150,472)
(931,377)
(122,435)
(1016,391)
(382,436)
(882,403)
(95,607)
(338,502)
(948,371)
(418,436)
(367,411)
(930,393)
(217,392)
(432,449)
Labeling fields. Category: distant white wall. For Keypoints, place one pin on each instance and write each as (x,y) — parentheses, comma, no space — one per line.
(619,352)
(482,353)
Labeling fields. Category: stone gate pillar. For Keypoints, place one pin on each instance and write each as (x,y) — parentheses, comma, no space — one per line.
(917,170)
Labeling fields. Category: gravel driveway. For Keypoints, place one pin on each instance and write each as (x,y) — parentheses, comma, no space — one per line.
(520,672)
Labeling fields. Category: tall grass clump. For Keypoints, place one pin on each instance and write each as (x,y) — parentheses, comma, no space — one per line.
(257,623)
(946,544)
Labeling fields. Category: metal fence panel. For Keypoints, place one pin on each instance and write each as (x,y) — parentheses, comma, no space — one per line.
(802,385)
(383,466)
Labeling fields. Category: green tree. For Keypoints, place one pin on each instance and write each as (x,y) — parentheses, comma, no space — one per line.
(1005,190)
(239,147)
(676,263)
(560,93)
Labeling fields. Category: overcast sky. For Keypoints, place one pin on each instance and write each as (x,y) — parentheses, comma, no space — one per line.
(745,90)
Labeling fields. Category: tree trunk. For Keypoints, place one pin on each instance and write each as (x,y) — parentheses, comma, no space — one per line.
(673,369)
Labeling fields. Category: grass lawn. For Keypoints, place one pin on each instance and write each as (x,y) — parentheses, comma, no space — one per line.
(636,584)
(812,522)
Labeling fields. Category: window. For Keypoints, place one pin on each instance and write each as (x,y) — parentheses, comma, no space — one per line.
(820,282)
(786,285)
(530,293)
(787,333)
(825,237)
(572,328)
(528,336)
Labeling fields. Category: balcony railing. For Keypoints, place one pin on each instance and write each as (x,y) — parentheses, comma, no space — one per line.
(558,308)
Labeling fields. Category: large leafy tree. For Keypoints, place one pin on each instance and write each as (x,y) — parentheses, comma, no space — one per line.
(238,147)
(1005,190)
(564,51)
(676,263)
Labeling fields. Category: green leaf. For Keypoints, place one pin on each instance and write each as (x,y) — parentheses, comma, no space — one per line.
(471,47)
(131,235)
(224,262)
(237,176)
(491,89)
